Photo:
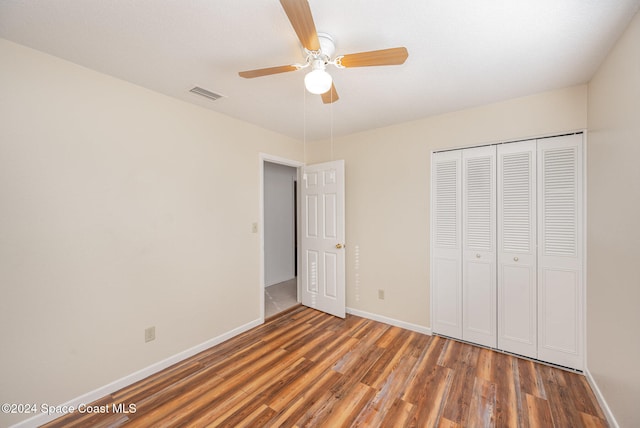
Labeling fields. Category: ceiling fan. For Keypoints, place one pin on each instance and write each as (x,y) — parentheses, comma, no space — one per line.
(319,49)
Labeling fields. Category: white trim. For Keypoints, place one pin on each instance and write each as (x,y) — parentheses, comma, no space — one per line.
(510,140)
(391,321)
(262,158)
(585,248)
(136,376)
(283,161)
(431,227)
(603,403)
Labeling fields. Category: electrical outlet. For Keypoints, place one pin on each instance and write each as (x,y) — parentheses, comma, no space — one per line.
(381,294)
(150,334)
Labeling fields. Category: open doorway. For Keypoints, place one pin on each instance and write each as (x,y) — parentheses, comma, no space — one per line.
(279,235)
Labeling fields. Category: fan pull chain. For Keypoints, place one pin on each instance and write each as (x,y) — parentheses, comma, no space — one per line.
(331,118)
(304,126)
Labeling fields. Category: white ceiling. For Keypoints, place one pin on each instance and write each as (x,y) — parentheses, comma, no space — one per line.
(462,53)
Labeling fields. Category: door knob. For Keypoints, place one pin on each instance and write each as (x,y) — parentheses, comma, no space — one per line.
(478,256)
(515,259)
(338,246)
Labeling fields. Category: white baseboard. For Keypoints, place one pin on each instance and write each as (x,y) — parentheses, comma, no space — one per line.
(390,321)
(603,403)
(114,386)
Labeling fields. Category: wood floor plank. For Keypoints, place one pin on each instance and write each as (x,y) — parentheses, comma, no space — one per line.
(372,333)
(591,421)
(295,409)
(201,416)
(388,361)
(400,414)
(418,344)
(457,410)
(388,393)
(258,418)
(482,405)
(429,384)
(321,352)
(189,402)
(538,411)
(521,398)
(446,423)
(243,355)
(462,359)
(483,367)
(582,396)
(502,376)
(303,344)
(530,381)
(422,376)
(345,409)
(563,409)
(388,337)
(307,368)
(310,377)
(362,329)
(258,391)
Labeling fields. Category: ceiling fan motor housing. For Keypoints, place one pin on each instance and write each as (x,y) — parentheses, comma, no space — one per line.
(327,48)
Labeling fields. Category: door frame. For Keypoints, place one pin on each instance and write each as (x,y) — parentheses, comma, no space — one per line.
(262,158)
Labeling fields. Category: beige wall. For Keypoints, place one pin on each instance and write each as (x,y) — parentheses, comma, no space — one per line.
(613,278)
(120,209)
(387,191)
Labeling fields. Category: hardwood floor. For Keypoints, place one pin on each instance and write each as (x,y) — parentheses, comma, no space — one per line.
(310,369)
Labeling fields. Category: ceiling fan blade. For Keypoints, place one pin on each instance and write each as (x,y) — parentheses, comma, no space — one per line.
(393,56)
(331,96)
(299,14)
(250,74)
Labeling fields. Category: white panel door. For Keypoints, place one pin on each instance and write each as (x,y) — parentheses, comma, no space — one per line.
(479,245)
(517,252)
(323,253)
(446,243)
(560,283)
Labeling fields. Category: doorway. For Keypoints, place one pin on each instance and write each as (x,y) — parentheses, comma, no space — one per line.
(279,213)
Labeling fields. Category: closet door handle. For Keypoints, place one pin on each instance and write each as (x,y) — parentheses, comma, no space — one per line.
(478,256)
(515,259)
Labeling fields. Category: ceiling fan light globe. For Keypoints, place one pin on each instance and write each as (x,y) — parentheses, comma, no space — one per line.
(318,82)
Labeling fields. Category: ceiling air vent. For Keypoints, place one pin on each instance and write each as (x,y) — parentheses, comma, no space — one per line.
(208,94)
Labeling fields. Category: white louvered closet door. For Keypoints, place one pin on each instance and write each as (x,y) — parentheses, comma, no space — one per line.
(517,288)
(560,282)
(479,245)
(446,243)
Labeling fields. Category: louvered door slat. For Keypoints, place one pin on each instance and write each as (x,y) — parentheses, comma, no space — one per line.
(446,251)
(478,178)
(560,200)
(517,248)
(447,204)
(479,245)
(560,283)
